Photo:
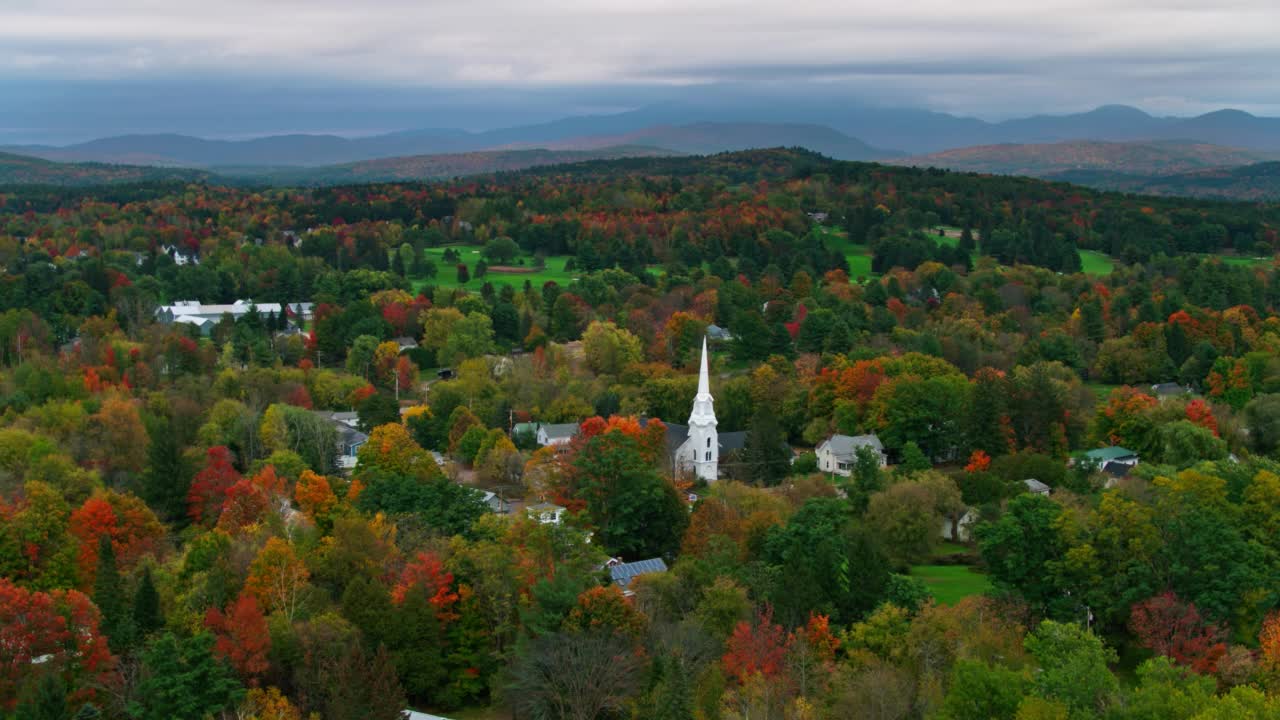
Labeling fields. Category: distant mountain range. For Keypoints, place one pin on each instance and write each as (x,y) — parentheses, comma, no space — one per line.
(830,126)
(433,167)
(21,169)
(321,150)
(18,169)
(1165,157)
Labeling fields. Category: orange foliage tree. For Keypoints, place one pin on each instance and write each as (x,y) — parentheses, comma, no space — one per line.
(426,574)
(758,649)
(133,528)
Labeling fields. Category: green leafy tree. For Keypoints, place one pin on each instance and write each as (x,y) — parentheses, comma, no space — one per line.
(1073,668)
(979,690)
(825,564)
(637,513)
(1021,549)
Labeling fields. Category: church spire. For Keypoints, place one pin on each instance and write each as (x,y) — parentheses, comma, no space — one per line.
(704,379)
(702,448)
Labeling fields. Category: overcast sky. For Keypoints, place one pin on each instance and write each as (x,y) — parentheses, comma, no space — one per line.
(539,58)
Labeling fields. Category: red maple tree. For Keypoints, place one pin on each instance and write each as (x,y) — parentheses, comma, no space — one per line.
(1168,626)
(242,637)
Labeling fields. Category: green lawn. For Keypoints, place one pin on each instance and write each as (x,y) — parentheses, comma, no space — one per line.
(447,275)
(1246,261)
(858,256)
(1096,263)
(1101,390)
(951,583)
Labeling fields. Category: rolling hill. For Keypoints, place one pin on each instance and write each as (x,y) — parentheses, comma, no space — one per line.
(709,138)
(1257,182)
(1052,159)
(23,170)
(435,167)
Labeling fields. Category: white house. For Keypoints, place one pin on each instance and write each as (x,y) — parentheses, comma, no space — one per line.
(959,531)
(838,453)
(546,513)
(556,434)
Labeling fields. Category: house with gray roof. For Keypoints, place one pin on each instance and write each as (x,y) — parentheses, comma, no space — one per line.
(1036,487)
(838,453)
(556,434)
(623,573)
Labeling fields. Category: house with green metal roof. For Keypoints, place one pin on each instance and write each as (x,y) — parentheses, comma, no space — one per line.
(1101,457)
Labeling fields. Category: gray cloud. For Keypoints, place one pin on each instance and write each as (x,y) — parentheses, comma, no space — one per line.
(985,57)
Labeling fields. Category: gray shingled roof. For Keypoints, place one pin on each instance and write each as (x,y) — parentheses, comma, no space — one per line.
(847,445)
(624,573)
(1036,486)
(560,430)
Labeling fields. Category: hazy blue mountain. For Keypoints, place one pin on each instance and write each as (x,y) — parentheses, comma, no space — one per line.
(832,125)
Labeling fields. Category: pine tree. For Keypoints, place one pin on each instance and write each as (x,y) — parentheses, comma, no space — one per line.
(183,679)
(168,476)
(108,595)
(418,647)
(766,453)
(147,615)
(780,340)
(44,699)
(674,699)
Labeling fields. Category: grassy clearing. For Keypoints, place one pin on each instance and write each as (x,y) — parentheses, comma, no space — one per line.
(447,275)
(951,583)
(1096,263)
(1101,390)
(1244,261)
(858,256)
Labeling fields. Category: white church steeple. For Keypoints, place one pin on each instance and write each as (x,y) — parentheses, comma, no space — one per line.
(703,443)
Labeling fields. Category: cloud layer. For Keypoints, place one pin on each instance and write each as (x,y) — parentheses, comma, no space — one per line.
(985,57)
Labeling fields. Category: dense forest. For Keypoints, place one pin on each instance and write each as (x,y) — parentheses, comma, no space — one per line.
(190,531)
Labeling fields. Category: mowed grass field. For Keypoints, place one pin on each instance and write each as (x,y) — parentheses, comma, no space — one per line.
(951,583)
(447,273)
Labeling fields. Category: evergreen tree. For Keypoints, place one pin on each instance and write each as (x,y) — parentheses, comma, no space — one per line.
(780,340)
(168,476)
(109,596)
(367,604)
(839,340)
(44,699)
(766,453)
(750,337)
(673,697)
(183,679)
(418,647)
(147,615)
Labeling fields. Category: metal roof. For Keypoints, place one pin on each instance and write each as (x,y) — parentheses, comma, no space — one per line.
(623,574)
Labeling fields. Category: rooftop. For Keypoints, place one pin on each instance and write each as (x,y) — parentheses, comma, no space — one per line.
(623,574)
(847,445)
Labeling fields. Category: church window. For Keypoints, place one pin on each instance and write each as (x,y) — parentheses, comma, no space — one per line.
(708,457)
(708,442)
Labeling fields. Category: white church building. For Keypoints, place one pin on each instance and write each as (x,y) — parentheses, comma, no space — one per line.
(696,448)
